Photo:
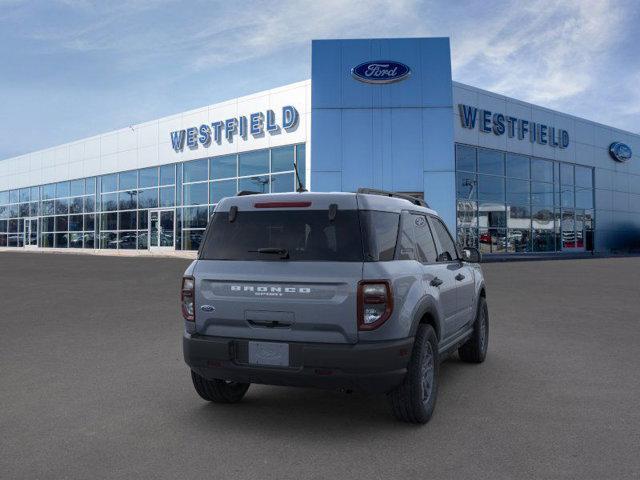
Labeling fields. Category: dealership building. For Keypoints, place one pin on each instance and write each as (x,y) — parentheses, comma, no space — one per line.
(507,176)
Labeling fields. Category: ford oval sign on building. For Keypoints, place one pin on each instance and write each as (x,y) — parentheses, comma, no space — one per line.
(620,152)
(380,71)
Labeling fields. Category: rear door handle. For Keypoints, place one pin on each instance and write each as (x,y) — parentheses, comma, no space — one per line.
(436,282)
(460,277)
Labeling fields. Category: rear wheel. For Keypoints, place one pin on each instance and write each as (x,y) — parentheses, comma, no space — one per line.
(474,350)
(415,400)
(219,391)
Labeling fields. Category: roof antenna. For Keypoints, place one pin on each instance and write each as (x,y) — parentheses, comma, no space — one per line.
(300,188)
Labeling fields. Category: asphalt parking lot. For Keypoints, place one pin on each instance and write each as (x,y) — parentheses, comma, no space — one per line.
(93,385)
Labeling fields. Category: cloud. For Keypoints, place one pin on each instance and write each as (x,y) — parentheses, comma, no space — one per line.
(543,52)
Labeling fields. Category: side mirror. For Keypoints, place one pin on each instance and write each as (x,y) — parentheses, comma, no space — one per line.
(471,255)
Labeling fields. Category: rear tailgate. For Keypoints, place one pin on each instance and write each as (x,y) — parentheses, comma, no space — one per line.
(278,300)
(281,267)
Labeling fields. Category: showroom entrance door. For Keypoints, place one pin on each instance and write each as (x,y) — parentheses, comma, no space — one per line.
(573,231)
(30,232)
(162,229)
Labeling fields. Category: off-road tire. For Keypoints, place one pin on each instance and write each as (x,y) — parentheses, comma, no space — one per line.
(219,391)
(410,402)
(474,350)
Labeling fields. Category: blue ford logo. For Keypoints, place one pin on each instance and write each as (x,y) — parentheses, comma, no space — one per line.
(620,151)
(380,71)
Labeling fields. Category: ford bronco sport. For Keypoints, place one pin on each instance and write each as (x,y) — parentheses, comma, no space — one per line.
(357,291)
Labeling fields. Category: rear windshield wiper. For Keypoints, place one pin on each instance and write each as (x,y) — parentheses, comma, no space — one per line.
(283,252)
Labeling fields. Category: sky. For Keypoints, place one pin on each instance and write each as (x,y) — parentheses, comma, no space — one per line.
(70,69)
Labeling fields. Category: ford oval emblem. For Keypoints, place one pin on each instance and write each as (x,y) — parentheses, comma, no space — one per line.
(620,151)
(207,308)
(380,71)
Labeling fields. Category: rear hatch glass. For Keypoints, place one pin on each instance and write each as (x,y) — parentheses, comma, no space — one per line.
(294,235)
(302,235)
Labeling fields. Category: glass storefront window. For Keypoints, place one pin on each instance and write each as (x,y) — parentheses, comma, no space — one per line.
(465,158)
(519,217)
(253,163)
(492,215)
(518,191)
(491,188)
(117,205)
(542,170)
(282,183)
(76,188)
(167,195)
(167,175)
(192,239)
(128,220)
(89,222)
(584,197)
(148,177)
(566,174)
(62,206)
(490,161)
(518,240)
(219,190)
(282,159)
(75,223)
(466,185)
(584,177)
(127,200)
(196,194)
(75,205)
(567,196)
(196,170)
(521,200)
(541,193)
(109,221)
(128,180)
(109,202)
(90,185)
(62,189)
(89,204)
(148,198)
(62,223)
(467,214)
(492,240)
(196,217)
(223,167)
(517,166)
(258,184)
(109,183)
(24,195)
(301,162)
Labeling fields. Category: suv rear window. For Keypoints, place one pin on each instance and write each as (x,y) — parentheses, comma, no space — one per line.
(301,235)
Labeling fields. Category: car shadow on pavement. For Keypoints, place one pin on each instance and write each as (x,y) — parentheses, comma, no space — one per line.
(281,409)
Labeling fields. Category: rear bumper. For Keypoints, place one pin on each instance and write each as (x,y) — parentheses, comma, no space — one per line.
(369,367)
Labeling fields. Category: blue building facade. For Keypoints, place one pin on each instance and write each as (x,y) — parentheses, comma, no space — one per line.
(394,136)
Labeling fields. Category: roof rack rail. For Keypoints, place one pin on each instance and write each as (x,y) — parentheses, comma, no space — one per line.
(246,192)
(414,200)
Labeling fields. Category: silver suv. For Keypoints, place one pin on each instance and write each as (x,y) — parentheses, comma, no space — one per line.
(356,291)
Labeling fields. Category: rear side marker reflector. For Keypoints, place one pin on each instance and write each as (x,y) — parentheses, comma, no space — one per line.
(282,204)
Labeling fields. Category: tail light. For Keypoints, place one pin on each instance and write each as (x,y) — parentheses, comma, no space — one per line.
(375,304)
(187,298)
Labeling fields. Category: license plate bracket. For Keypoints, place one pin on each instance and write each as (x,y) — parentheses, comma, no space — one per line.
(271,354)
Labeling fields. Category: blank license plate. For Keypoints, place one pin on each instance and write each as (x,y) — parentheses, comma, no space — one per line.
(269,353)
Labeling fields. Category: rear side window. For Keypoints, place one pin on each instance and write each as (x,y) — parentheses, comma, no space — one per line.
(379,234)
(446,246)
(406,239)
(424,241)
(305,235)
